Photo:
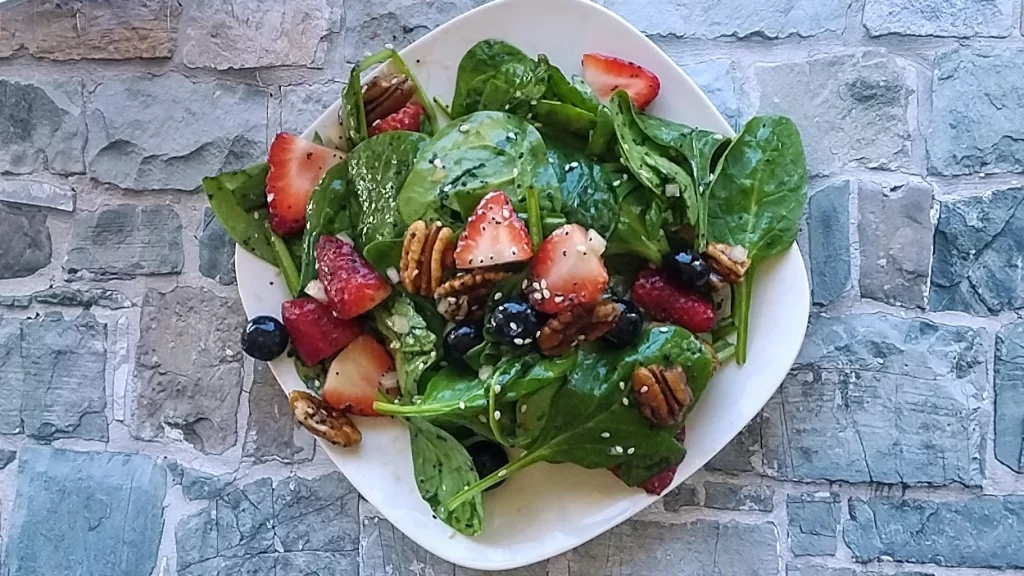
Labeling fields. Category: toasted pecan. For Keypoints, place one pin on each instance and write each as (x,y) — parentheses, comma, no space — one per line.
(465,295)
(427,253)
(322,420)
(578,324)
(662,393)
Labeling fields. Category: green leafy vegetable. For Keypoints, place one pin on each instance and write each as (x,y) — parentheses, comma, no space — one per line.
(312,376)
(286,264)
(587,189)
(576,93)
(641,218)
(239,201)
(326,213)
(384,254)
(377,170)
(490,74)
(412,344)
(442,468)
(756,201)
(564,119)
(602,137)
(353,109)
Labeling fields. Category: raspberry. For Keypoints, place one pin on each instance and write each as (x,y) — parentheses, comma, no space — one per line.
(666,302)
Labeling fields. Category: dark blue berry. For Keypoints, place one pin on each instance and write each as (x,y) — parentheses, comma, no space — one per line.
(687,269)
(514,323)
(488,457)
(628,327)
(264,338)
(462,338)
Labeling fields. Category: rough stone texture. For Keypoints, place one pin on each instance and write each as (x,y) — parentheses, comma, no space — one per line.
(226,34)
(1009,397)
(125,241)
(272,433)
(855,108)
(718,80)
(299,526)
(52,375)
(877,398)
(370,25)
(216,251)
(27,247)
(689,549)
(166,132)
(16,301)
(108,29)
(730,496)
(302,105)
(958,18)
(976,267)
(105,510)
(737,454)
(41,125)
(681,496)
(771,19)
(974,127)
(980,532)
(383,549)
(793,569)
(188,374)
(828,230)
(895,229)
(86,298)
(813,520)
(199,485)
(7,457)
(37,193)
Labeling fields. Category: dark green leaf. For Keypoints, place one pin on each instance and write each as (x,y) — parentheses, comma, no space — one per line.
(484,59)
(642,216)
(239,201)
(564,119)
(443,468)
(377,170)
(532,412)
(411,342)
(576,93)
(312,376)
(384,254)
(326,213)
(513,87)
(588,191)
(602,138)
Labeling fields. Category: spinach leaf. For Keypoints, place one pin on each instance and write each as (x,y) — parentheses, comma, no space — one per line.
(442,468)
(482,152)
(602,137)
(478,66)
(312,376)
(239,201)
(412,344)
(513,87)
(639,231)
(564,120)
(327,213)
(576,93)
(541,374)
(756,201)
(377,171)
(384,254)
(532,412)
(587,189)
(353,109)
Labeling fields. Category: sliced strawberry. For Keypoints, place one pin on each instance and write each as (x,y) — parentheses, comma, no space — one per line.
(568,270)
(661,481)
(355,376)
(408,119)
(667,302)
(316,332)
(296,167)
(606,74)
(494,235)
(352,285)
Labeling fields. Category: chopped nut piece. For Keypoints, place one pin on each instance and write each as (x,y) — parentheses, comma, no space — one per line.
(662,393)
(729,263)
(386,94)
(322,420)
(465,296)
(578,324)
(427,252)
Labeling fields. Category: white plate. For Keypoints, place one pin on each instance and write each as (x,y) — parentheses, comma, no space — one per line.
(548,509)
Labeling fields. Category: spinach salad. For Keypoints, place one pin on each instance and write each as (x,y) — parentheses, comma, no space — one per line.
(539,271)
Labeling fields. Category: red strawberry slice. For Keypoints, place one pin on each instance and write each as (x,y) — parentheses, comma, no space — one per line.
(408,119)
(494,235)
(351,284)
(568,270)
(355,376)
(316,333)
(667,302)
(606,74)
(296,167)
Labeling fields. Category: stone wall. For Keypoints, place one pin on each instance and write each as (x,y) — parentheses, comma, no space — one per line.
(134,432)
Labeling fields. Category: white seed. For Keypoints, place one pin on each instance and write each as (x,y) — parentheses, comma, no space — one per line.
(533,102)
(438,163)
(463,128)
(497,414)
(462,405)
(622,385)
(518,341)
(522,409)
(605,435)
(515,172)
(497,388)
(536,295)
(558,299)
(389,46)
(543,283)
(625,401)
(393,275)
(511,135)
(617,450)
(502,473)
(497,295)
(616,183)
(546,293)
(643,390)
(574,164)
(631,450)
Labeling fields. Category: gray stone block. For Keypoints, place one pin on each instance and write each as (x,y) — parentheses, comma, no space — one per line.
(272,432)
(37,193)
(956,18)
(979,532)
(974,125)
(188,373)
(42,127)
(770,19)
(745,498)
(737,454)
(976,268)
(302,105)
(681,496)
(828,233)
(1009,396)
(85,298)
(858,113)
(27,247)
(168,132)
(371,25)
(794,569)
(199,485)
(85,513)
(226,34)
(813,520)
(216,251)
(895,231)
(53,377)
(876,398)
(385,550)
(125,241)
(7,457)
(718,80)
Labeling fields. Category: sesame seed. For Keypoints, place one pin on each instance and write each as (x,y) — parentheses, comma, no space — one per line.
(617,183)
(518,341)
(536,296)
(536,285)
(643,390)
(438,163)
(513,326)
(622,385)
(522,409)
(546,293)
(511,135)
(581,338)
(505,213)
(605,435)
(574,164)
(497,414)
(447,188)
(533,102)
(497,388)
(389,46)
(631,450)
(497,295)
(502,473)
(526,283)
(462,405)
(625,401)
(543,283)
(537,335)
(617,450)
(558,299)
(515,172)
(463,128)
(663,329)
(581,249)
(482,418)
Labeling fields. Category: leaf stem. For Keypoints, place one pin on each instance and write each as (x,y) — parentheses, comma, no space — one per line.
(533,218)
(741,311)
(392,409)
(286,264)
(491,410)
(502,473)
(443,107)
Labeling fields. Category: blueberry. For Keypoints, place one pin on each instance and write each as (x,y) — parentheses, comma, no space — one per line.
(687,269)
(488,457)
(628,327)
(514,323)
(264,338)
(462,338)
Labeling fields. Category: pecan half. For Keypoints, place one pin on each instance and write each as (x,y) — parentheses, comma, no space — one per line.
(729,263)
(465,295)
(426,253)
(662,393)
(386,94)
(578,324)
(322,420)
